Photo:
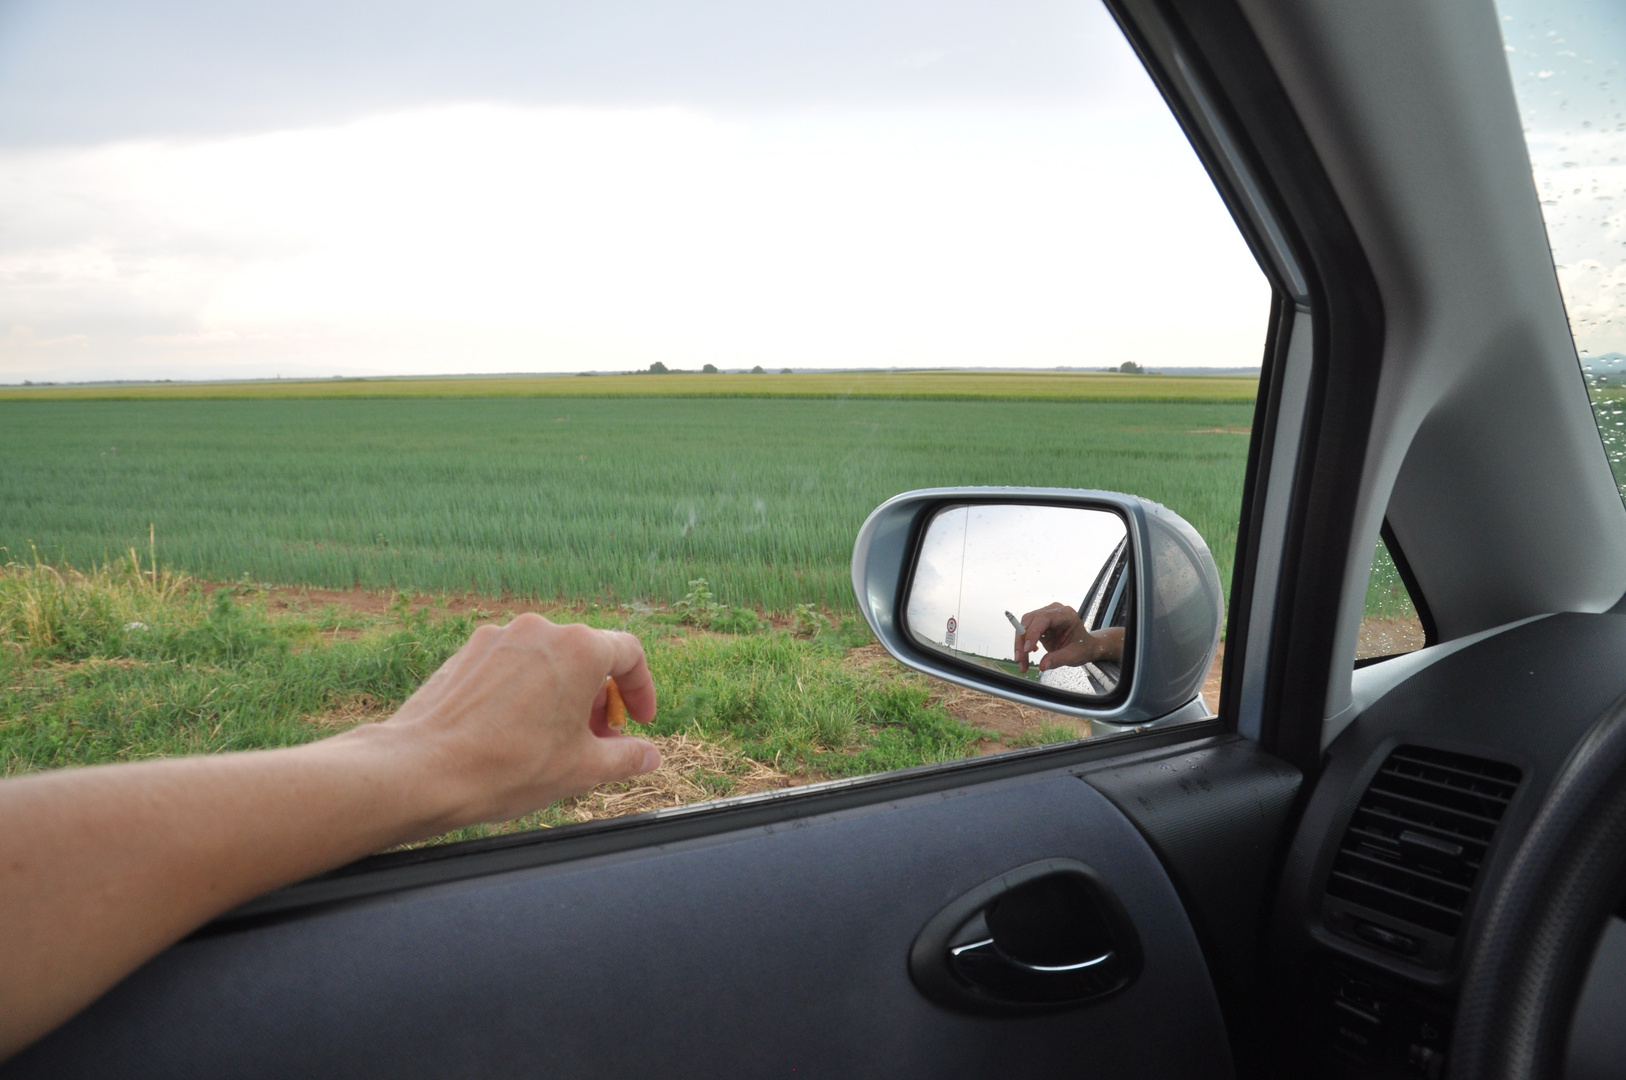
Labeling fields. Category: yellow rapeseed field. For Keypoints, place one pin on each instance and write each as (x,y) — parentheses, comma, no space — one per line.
(941,385)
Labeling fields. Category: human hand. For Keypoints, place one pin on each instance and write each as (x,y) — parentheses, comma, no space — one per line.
(515,720)
(1067,643)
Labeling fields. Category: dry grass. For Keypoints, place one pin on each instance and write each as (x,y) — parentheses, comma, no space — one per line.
(40,604)
(692,770)
(356,709)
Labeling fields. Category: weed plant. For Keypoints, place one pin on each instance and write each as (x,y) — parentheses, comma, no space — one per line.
(113,665)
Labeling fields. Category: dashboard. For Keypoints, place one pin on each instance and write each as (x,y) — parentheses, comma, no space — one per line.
(1420,806)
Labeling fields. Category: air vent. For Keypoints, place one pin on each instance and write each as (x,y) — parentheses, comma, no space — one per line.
(1420,834)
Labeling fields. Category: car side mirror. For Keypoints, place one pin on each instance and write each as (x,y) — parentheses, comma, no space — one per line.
(1117,597)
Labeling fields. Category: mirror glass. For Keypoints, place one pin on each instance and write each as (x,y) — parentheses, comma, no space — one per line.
(1040,593)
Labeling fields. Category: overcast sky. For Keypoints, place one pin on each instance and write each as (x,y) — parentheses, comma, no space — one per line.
(978,562)
(196,190)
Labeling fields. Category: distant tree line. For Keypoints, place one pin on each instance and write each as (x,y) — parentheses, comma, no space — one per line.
(658,368)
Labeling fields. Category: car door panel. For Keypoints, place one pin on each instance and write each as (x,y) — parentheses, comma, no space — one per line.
(778,950)
(1216,813)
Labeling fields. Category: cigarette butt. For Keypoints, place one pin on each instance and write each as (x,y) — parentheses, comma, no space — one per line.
(1020,629)
(615,710)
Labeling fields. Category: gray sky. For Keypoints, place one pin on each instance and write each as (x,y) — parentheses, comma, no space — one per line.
(978,562)
(196,190)
(1568,61)
(94,70)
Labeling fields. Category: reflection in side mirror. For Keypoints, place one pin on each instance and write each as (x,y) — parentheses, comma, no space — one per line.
(1088,603)
(1039,593)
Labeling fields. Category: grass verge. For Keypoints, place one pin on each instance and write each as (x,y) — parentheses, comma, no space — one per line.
(125,663)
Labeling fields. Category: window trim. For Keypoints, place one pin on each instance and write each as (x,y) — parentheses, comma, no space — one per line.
(1230,78)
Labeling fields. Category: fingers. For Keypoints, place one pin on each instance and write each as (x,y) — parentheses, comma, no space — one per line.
(613,756)
(1052,626)
(1039,623)
(631,673)
(621,757)
(1079,652)
(1056,614)
(598,653)
(598,719)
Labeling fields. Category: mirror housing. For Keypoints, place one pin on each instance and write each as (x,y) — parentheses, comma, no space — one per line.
(1172,641)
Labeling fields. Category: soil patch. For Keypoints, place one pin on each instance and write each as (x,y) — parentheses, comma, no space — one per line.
(478,606)
(299,598)
(1211,685)
(1012,724)
(1386,637)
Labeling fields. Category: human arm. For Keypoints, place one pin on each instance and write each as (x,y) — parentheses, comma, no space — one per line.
(1067,643)
(101,868)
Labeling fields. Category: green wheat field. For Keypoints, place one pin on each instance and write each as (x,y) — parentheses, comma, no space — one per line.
(617,500)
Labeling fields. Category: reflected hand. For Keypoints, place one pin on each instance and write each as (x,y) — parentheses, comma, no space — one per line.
(1067,643)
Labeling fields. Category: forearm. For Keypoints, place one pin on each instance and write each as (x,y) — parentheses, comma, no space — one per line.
(106,866)
(1109,643)
(101,868)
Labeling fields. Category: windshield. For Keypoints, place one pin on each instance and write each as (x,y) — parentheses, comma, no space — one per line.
(1566,58)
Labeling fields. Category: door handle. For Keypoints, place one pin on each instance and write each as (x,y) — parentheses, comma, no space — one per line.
(1046,935)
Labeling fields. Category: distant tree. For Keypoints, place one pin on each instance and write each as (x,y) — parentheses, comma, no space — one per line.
(757,370)
(1129,367)
(709,369)
(657,368)
(786,371)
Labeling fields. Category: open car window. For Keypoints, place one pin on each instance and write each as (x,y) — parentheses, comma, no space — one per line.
(1391,624)
(323,347)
